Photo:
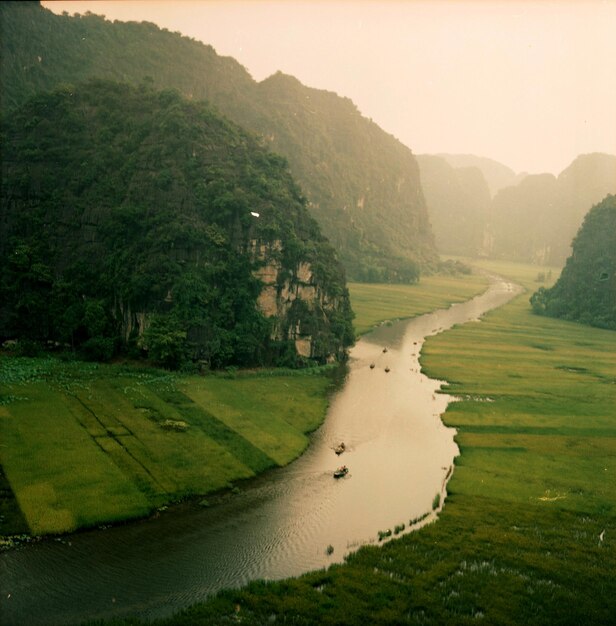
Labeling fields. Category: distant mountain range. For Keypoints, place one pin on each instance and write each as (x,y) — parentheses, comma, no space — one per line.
(496,174)
(532,219)
(362,184)
(537,219)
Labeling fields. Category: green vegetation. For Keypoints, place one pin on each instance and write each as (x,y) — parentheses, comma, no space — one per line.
(519,540)
(134,220)
(84,444)
(436,502)
(586,289)
(375,303)
(362,184)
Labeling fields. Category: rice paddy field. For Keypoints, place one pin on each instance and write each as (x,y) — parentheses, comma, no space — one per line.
(377,303)
(83,444)
(528,531)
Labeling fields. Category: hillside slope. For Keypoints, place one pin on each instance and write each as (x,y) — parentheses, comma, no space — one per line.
(458,201)
(362,184)
(132,219)
(586,289)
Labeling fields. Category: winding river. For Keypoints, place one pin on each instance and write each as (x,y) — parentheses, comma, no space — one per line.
(399,455)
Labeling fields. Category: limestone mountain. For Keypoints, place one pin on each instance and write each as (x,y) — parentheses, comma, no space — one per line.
(536,220)
(458,201)
(586,289)
(133,219)
(361,183)
(523,220)
(496,174)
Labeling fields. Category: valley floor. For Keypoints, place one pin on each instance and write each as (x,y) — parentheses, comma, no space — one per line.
(87,444)
(528,531)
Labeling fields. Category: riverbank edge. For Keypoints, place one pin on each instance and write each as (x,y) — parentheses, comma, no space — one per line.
(10,541)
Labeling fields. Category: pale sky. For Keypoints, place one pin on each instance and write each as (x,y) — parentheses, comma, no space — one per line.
(529,83)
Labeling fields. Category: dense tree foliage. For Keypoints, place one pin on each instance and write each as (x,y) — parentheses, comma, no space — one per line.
(586,289)
(129,221)
(362,184)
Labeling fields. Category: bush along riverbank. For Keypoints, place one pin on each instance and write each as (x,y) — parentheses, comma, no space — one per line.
(527,532)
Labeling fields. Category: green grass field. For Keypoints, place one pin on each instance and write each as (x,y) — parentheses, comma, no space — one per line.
(528,531)
(375,303)
(83,444)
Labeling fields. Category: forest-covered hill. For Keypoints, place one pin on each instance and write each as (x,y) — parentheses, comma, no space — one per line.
(362,184)
(586,289)
(132,219)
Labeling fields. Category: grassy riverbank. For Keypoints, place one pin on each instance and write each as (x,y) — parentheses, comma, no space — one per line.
(375,303)
(521,537)
(84,444)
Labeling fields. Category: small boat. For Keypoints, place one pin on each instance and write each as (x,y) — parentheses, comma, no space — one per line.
(371,366)
(341,471)
(340,448)
(387,369)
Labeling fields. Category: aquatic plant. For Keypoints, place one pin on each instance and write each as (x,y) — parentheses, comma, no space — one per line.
(436,501)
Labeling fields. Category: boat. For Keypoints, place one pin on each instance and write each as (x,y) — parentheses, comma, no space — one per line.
(340,448)
(341,471)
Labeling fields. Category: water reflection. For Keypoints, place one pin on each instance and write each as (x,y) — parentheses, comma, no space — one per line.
(398,452)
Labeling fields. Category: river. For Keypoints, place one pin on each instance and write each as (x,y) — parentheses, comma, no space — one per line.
(399,455)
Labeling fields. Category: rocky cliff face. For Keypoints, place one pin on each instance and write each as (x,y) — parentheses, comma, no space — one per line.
(292,298)
(134,219)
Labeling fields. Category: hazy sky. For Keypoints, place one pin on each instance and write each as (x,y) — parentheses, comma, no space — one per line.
(531,84)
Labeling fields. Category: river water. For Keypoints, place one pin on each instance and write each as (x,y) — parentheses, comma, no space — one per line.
(399,455)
